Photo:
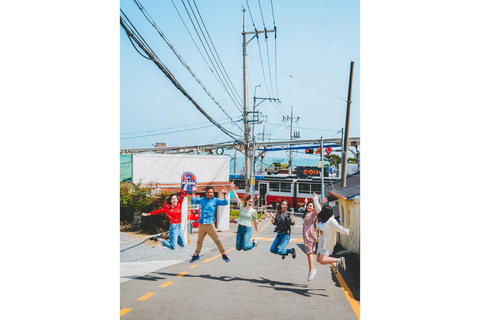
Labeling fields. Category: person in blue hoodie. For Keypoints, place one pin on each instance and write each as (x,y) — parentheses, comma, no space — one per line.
(206,223)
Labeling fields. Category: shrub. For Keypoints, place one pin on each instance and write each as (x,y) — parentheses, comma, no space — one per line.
(134,200)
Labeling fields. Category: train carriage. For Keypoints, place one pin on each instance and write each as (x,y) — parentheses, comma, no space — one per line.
(273,189)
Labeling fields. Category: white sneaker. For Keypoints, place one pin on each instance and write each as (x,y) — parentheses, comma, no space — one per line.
(335,267)
(341,261)
(311,275)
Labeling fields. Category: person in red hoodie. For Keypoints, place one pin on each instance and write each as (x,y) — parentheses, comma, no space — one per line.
(172,209)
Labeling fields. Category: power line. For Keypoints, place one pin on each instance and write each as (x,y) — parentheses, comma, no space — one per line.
(135,36)
(150,19)
(221,73)
(235,102)
(302,81)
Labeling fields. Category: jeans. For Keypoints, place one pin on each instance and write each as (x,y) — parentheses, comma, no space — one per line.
(176,235)
(280,243)
(244,235)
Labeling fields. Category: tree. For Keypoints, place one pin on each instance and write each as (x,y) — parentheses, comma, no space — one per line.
(352,160)
(333,159)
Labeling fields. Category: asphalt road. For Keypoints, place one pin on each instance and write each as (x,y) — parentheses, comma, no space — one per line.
(255,284)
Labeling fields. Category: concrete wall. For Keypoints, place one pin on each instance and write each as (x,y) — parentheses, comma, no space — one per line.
(350,218)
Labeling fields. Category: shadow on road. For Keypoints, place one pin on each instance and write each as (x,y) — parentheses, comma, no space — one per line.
(300,289)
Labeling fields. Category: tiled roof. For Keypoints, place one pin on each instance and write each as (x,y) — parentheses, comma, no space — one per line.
(351,189)
(201,187)
(346,193)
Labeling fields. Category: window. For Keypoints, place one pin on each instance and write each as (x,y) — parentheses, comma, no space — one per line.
(304,188)
(317,188)
(275,186)
(286,187)
(240,183)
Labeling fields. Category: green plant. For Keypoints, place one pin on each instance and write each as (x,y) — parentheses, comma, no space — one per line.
(234,214)
(134,200)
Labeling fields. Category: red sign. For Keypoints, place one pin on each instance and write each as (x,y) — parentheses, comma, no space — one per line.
(328,150)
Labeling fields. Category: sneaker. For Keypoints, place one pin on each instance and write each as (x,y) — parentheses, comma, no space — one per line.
(335,267)
(255,243)
(314,270)
(341,261)
(194,257)
(224,257)
(311,275)
(283,257)
(294,255)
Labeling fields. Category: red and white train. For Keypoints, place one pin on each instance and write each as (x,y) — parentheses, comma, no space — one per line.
(273,189)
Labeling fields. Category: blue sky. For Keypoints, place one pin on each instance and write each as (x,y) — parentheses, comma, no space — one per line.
(316,42)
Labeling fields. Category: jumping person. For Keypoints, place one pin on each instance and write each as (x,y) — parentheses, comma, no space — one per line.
(206,224)
(173,210)
(328,237)
(282,221)
(247,216)
(310,235)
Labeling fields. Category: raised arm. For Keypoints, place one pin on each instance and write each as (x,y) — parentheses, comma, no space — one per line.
(235,193)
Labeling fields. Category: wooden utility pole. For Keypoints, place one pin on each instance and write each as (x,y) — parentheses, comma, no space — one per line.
(343,182)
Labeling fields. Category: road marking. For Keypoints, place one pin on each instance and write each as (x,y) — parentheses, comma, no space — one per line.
(148,295)
(181,274)
(165,284)
(124,310)
(217,256)
(348,294)
(194,266)
(265,225)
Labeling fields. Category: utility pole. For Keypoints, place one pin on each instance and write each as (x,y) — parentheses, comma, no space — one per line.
(263,155)
(291,138)
(255,119)
(343,183)
(248,146)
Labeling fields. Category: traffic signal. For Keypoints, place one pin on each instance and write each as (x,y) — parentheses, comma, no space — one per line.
(309,151)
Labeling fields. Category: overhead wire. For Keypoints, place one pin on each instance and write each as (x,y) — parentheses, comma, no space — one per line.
(182,61)
(220,73)
(213,45)
(182,126)
(293,77)
(235,102)
(266,45)
(135,35)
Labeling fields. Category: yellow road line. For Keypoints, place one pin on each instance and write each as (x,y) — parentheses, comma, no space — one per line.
(217,256)
(165,284)
(148,295)
(193,266)
(181,274)
(348,294)
(266,225)
(124,310)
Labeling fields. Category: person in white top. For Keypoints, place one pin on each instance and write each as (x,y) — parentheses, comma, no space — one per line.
(328,228)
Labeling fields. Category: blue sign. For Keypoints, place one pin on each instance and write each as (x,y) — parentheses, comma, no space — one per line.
(190,180)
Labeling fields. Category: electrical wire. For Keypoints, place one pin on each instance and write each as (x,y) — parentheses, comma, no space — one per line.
(134,35)
(182,61)
(291,76)
(220,74)
(235,102)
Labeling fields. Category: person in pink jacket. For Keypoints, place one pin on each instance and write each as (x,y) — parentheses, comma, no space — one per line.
(329,227)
